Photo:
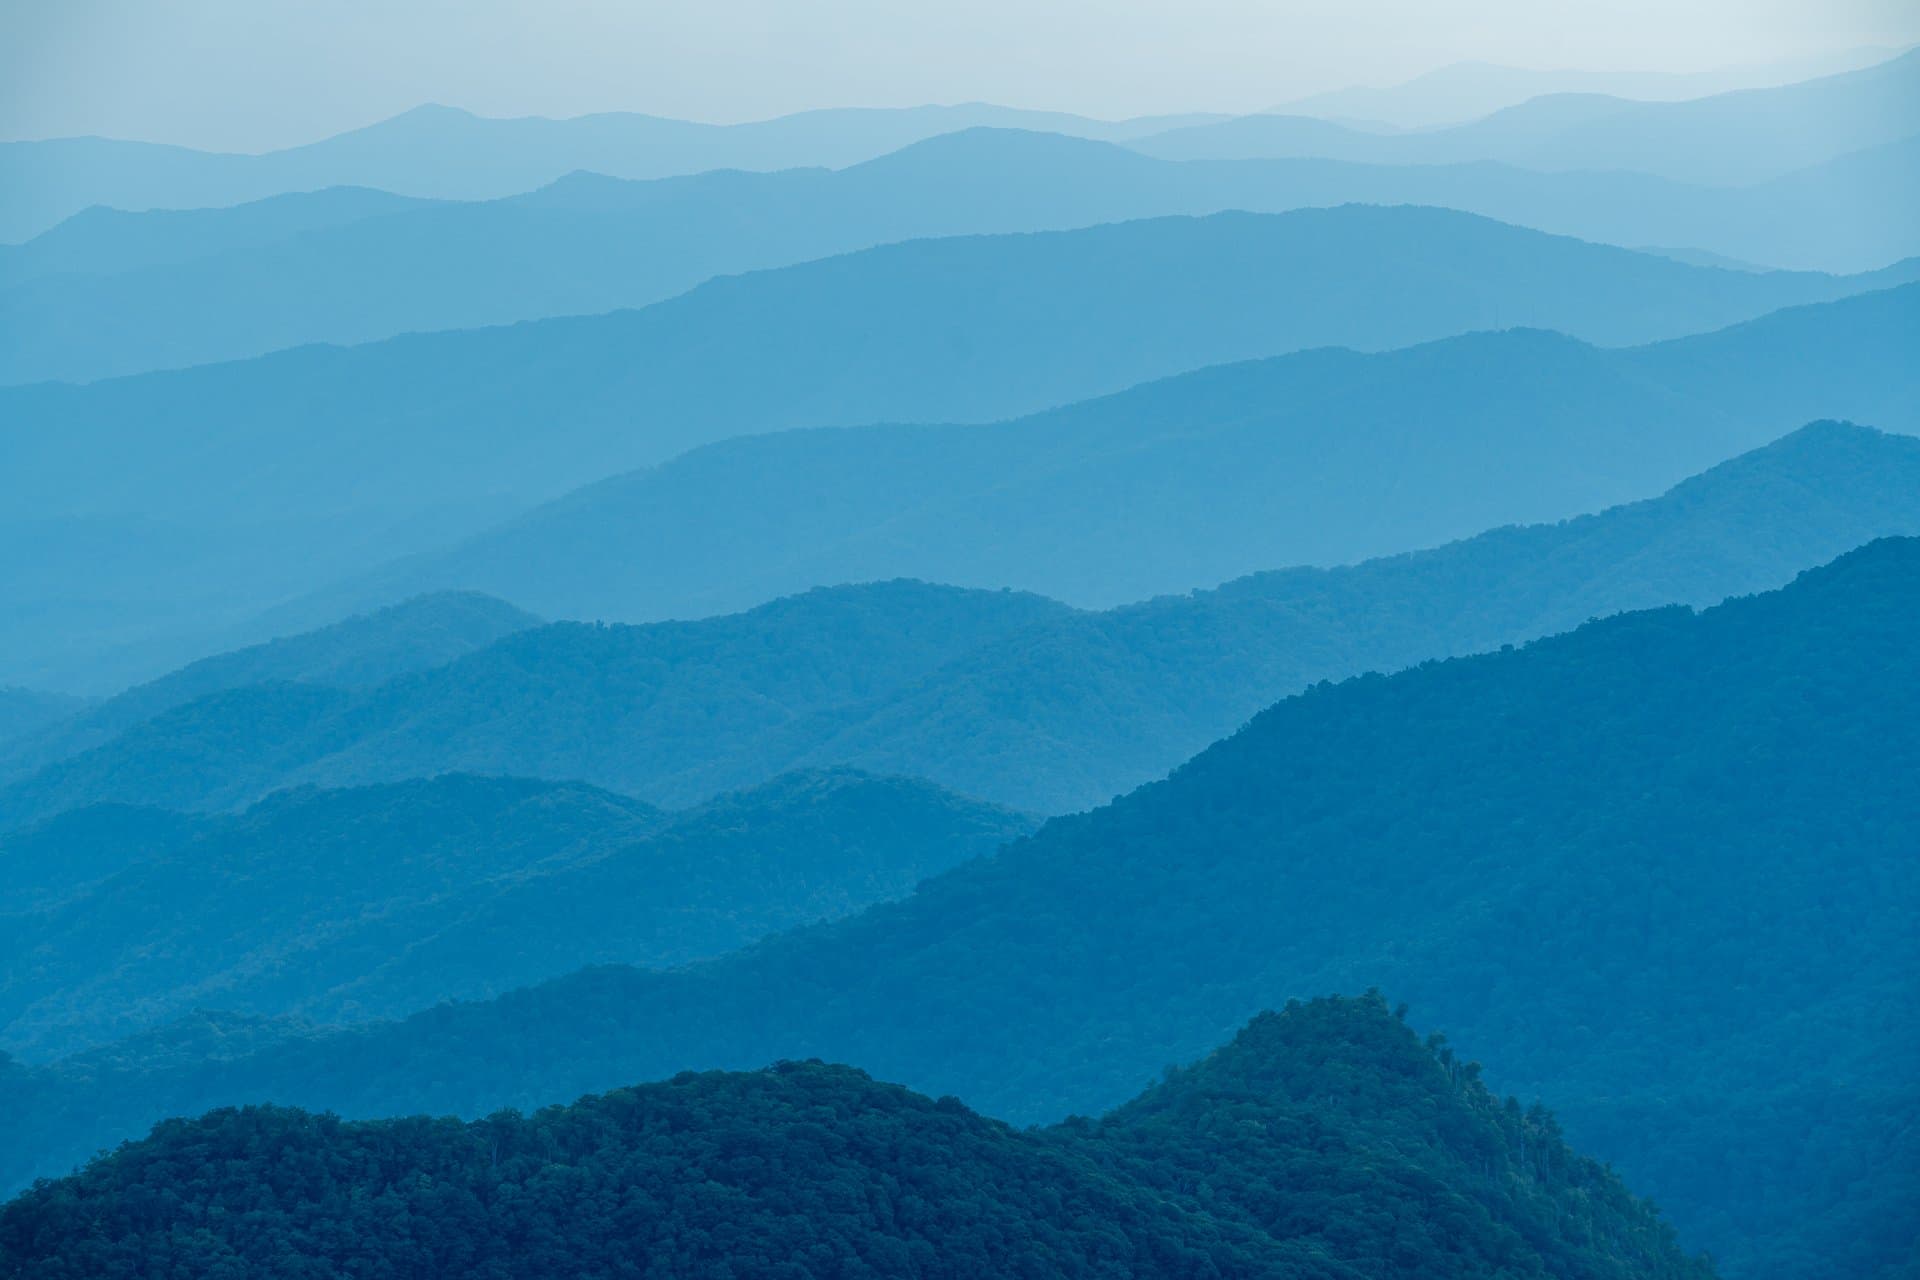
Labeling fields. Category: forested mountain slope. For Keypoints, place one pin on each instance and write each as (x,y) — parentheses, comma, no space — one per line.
(371,902)
(361,651)
(1691,834)
(645,709)
(1324,1142)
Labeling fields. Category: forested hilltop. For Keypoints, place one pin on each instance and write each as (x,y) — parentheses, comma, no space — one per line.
(1325,1142)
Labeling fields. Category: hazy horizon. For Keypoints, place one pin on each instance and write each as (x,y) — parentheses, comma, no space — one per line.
(219,75)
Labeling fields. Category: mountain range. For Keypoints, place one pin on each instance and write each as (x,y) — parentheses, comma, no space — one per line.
(1687,831)
(1464,91)
(441,152)
(1323,457)
(1324,1142)
(109,293)
(237,486)
(1746,136)
(1004,696)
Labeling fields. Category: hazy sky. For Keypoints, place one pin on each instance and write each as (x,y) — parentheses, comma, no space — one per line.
(250,74)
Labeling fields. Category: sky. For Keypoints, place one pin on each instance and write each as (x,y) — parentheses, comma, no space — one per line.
(256,74)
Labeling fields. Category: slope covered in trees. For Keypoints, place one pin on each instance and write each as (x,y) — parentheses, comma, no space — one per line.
(1661,859)
(361,651)
(1046,710)
(341,905)
(1324,1143)
(645,709)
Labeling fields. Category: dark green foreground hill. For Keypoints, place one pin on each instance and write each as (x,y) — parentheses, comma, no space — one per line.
(1324,1143)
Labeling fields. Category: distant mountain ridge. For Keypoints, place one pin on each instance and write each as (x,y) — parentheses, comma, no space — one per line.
(1324,457)
(442,152)
(1745,136)
(308,463)
(1011,698)
(108,294)
(1464,91)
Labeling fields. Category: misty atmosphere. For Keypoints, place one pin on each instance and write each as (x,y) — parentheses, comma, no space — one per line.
(841,641)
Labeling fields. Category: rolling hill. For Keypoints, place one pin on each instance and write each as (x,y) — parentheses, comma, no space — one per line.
(376,902)
(610,705)
(1376,1156)
(361,651)
(1659,860)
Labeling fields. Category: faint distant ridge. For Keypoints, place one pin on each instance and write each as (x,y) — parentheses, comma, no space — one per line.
(1744,136)
(109,293)
(443,152)
(1465,91)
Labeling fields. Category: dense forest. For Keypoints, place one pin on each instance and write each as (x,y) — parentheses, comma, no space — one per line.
(1326,1142)
(379,901)
(1658,868)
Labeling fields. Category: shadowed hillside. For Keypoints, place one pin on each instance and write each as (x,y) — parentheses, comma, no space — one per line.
(1324,1142)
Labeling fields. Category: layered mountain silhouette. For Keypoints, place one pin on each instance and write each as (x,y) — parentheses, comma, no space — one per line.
(110,293)
(1359,1152)
(666,697)
(1749,135)
(1317,458)
(359,652)
(1004,696)
(1464,91)
(443,152)
(237,486)
(1689,832)
(339,905)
